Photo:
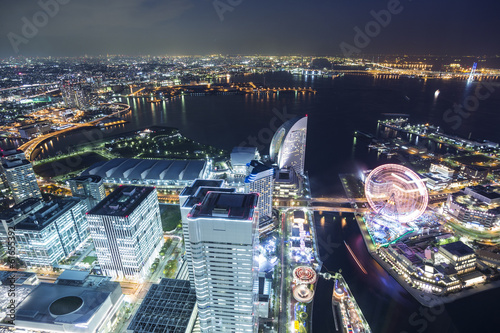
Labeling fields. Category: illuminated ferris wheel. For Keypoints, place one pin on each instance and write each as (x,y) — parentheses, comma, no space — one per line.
(396,193)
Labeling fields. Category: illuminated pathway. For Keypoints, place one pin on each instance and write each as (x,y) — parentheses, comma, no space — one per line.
(300,265)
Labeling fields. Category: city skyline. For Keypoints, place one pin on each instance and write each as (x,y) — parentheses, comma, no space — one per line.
(76,28)
(230,166)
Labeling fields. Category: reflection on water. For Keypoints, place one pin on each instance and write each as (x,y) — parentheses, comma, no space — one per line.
(380,297)
(386,305)
(340,107)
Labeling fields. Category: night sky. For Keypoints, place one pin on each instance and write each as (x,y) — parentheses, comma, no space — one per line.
(274,27)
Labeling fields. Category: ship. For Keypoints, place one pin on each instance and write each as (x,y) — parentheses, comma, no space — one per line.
(346,313)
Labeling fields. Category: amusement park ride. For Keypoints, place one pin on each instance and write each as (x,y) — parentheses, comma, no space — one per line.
(398,197)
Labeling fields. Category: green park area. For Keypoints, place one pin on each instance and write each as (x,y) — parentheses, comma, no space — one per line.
(170,217)
(89,260)
(162,142)
(67,164)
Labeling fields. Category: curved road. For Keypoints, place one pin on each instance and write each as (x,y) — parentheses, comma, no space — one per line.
(31,145)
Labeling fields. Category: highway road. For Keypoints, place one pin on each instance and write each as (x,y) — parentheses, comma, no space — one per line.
(31,145)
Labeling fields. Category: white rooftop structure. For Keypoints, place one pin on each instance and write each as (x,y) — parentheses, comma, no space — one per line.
(288,146)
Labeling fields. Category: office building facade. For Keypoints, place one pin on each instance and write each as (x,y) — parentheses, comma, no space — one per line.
(127,232)
(21,179)
(52,233)
(224,240)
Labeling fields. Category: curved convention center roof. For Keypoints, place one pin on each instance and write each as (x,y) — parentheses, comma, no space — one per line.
(288,146)
(146,171)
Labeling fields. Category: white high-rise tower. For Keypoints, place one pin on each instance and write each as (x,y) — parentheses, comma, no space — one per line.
(189,197)
(224,240)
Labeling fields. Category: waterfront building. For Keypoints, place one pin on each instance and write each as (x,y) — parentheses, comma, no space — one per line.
(412,266)
(439,177)
(188,198)
(461,256)
(127,232)
(89,188)
(476,206)
(169,306)
(260,180)
(76,302)
(224,240)
(240,157)
(148,172)
(435,181)
(33,130)
(52,232)
(442,170)
(448,268)
(288,146)
(21,179)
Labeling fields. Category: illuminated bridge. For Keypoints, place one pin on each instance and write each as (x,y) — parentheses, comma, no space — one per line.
(339,209)
(337,200)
